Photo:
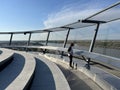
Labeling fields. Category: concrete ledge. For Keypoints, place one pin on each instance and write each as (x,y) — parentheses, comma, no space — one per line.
(100,58)
(102,83)
(59,79)
(23,79)
(96,57)
(6,57)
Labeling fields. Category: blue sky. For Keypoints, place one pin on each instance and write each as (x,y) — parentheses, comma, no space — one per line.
(25,15)
(20,15)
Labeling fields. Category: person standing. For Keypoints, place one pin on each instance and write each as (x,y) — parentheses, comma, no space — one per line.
(70,54)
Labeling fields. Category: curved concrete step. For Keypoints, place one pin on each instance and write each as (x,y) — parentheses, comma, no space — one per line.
(18,74)
(23,80)
(103,79)
(48,76)
(78,80)
(6,56)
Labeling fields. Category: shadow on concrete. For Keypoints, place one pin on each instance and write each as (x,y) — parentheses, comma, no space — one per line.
(9,74)
(43,78)
(1,52)
(74,81)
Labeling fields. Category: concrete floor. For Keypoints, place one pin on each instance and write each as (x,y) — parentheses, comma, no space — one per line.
(77,80)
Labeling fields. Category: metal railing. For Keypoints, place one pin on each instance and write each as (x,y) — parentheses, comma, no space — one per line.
(76,25)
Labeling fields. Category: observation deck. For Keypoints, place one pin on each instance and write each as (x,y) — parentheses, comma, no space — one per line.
(44,65)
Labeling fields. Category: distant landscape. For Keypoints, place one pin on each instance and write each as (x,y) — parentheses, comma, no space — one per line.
(106,47)
(111,44)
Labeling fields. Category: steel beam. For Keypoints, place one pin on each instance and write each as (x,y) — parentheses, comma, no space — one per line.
(65,42)
(92,21)
(47,38)
(11,39)
(92,44)
(108,8)
(28,43)
(94,38)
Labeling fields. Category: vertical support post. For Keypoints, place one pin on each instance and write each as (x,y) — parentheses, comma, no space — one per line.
(65,42)
(47,38)
(93,43)
(44,51)
(11,39)
(94,38)
(29,39)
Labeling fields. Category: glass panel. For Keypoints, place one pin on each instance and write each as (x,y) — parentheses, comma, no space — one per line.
(81,37)
(4,39)
(20,39)
(38,38)
(108,39)
(57,38)
(79,25)
(111,14)
(57,29)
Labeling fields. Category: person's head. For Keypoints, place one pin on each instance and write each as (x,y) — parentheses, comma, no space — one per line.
(72,44)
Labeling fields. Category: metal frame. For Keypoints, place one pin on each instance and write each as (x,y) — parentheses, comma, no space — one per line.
(47,38)
(94,37)
(118,3)
(95,33)
(11,39)
(65,42)
(29,39)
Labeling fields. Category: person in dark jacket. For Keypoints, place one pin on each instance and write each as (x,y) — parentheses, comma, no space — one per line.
(70,54)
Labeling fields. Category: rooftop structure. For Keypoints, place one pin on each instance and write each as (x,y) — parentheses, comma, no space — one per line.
(34,65)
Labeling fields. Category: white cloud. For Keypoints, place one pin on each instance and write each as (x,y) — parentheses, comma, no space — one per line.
(69,14)
(73,12)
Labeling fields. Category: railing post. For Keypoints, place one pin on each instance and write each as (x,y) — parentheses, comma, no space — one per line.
(29,39)
(93,42)
(11,39)
(44,51)
(94,38)
(65,42)
(47,38)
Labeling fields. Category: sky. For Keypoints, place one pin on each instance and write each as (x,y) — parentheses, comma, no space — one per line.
(26,15)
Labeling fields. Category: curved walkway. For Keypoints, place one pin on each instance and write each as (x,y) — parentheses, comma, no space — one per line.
(8,75)
(17,74)
(77,80)
(48,76)
(22,81)
(43,78)
(103,78)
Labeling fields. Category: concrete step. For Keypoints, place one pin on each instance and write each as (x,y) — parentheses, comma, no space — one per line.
(78,80)
(19,73)
(6,56)
(104,79)
(48,76)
